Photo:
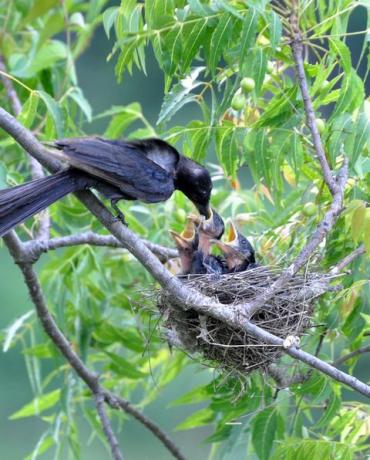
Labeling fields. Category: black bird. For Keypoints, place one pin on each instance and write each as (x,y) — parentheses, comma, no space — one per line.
(239,253)
(208,230)
(187,244)
(147,170)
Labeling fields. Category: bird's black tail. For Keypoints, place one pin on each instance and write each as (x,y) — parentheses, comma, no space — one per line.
(23,201)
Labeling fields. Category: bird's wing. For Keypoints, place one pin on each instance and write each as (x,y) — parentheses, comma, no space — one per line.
(123,165)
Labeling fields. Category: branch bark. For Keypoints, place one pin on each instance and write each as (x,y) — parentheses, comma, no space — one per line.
(36,248)
(353,354)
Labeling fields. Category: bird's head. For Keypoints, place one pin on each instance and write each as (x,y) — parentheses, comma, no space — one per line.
(236,249)
(194,181)
(186,243)
(208,229)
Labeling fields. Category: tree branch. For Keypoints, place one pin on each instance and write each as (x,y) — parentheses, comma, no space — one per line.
(186,298)
(347,260)
(297,50)
(36,248)
(19,254)
(353,354)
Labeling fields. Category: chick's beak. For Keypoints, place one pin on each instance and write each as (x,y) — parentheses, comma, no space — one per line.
(229,247)
(184,239)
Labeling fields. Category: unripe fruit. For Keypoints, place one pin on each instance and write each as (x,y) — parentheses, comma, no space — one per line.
(320,125)
(310,209)
(262,40)
(180,215)
(238,102)
(325,84)
(270,67)
(247,84)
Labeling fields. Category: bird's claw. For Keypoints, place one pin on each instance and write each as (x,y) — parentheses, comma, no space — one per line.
(120,216)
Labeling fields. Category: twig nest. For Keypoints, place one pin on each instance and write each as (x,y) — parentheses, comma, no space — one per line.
(287,315)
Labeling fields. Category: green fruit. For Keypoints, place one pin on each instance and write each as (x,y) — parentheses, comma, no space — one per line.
(320,125)
(270,67)
(310,209)
(325,84)
(180,215)
(247,84)
(262,40)
(238,102)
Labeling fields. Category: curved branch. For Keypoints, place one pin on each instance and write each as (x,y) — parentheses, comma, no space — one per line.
(348,260)
(186,298)
(353,354)
(36,248)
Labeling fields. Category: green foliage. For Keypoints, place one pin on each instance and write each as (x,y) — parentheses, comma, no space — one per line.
(205,49)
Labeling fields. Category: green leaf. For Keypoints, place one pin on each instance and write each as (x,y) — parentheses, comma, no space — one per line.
(49,54)
(248,34)
(123,118)
(219,40)
(193,42)
(109,16)
(200,418)
(361,136)
(39,8)
(179,95)
(77,95)
(122,367)
(352,95)
(12,330)
(275,29)
(339,48)
(38,405)
(227,150)
(29,110)
(54,111)
(264,427)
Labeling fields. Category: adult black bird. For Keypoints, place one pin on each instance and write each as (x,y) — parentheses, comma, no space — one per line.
(147,170)
(238,252)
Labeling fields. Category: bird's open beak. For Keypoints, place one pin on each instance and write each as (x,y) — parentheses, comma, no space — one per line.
(229,247)
(186,237)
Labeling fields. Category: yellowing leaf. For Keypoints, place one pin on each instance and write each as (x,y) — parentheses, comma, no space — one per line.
(358,222)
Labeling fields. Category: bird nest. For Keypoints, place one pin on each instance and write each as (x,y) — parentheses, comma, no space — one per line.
(287,314)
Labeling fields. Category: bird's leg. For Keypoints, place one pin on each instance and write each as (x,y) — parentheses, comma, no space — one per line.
(120,216)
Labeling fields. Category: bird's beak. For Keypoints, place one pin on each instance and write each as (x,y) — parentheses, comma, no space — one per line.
(205,210)
(185,238)
(229,247)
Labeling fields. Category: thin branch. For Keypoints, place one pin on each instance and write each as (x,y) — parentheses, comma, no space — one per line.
(20,256)
(348,260)
(353,354)
(36,248)
(186,298)
(107,428)
(297,49)
(35,167)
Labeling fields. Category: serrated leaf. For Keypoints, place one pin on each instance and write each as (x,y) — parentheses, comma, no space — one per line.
(122,120)
(264,427)
(219,40)
(193,42)
(200,418)
(179,95)
(39,8)
(12,330)
(339,48)
(248,34)
(255,67)
(54,111)
(227,150)
(38,405)
(361,136)
(352,95)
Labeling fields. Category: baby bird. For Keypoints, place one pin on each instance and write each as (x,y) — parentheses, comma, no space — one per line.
(187,244)
(237,250)
(208,230)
